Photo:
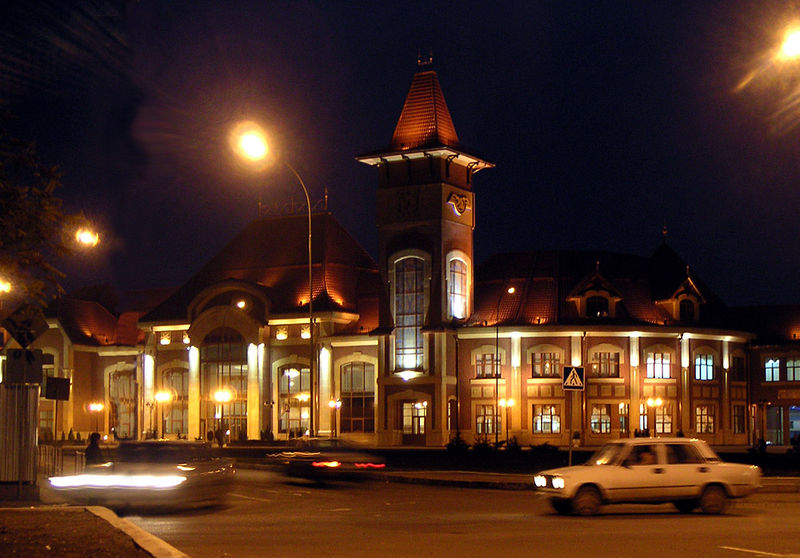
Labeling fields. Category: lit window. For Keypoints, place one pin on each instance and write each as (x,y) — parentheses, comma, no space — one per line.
(414,418)
(624,419)
(486,366)
(704,419)
(772,370)
(793,370)
(658,365)
(704,367)
(546,365)
(605,365)
(600,421)
(358,397)
(457,289)
(664,419)
(486,419)
(546,419)
(409,295)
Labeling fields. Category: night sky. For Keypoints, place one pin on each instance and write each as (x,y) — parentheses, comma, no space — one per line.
(606,121)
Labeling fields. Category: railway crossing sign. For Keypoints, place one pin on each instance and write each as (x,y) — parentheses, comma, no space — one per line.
(573,378)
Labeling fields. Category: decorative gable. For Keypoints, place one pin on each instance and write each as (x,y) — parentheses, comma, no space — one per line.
(685,302)
(595,296)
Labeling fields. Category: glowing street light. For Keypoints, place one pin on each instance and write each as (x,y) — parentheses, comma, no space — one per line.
(250,142)
(95,408)
(652,404)
(509,290)
(507,403)
(162,397)
(86,237)
(5,286)
(335,405)
(790,48)
(222,396)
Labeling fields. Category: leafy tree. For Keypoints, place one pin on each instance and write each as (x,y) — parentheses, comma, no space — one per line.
(35,231)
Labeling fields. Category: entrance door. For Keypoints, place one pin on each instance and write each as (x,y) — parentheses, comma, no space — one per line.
(414,416)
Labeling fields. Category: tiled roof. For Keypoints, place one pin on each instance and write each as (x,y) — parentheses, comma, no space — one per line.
(425,120)
(89,323)
(543,280)
(272,253)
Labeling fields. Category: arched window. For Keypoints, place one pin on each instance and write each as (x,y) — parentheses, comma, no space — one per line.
(176,411)
(409,306)
(358,397)
(457,289)
(223,367)
(122,399)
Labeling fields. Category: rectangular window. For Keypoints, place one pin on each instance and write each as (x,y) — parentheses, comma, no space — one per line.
(486,366)
(605,365)
(704,419)
(793,370)
(358,397)
(600,421)
(772,370)
(739,415)
(658,365)
(409,299)
(704,367)
(546,419)
(414,418)
(486,419)
(664,419)
(624,419)
(546,365)
(738,372)
(643,422)
(457,289)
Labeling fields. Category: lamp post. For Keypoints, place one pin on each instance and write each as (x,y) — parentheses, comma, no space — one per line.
(507,403)
(161,398)
(250,142)
(95,408)
(222,396)
(335,405)
(509,290)
(652,404)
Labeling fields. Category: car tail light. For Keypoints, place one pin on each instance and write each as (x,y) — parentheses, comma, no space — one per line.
(332,464)
(370,465)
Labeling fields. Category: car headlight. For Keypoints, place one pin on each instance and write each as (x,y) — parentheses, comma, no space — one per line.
(558,482)
(540,481)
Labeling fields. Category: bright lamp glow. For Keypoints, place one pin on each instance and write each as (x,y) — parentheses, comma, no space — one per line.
(163,396)
(790,48)
(5,286)
(223,395)
(249,141)
(87,237)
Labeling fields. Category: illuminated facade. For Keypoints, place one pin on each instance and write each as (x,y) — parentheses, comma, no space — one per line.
(425,344)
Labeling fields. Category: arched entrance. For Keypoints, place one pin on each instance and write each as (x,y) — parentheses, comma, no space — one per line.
(223,383)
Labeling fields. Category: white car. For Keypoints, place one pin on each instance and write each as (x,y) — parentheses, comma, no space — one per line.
(683,471)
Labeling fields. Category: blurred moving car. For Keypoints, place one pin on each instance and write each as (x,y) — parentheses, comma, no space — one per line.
(683,471)
(150,475)
(326,459)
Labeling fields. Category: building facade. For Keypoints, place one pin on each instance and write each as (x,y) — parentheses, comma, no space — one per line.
(423,344)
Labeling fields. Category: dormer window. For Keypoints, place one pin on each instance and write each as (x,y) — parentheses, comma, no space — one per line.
(687,311)
(596,307)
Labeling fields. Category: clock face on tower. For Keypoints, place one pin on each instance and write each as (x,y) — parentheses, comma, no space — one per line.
(408,204)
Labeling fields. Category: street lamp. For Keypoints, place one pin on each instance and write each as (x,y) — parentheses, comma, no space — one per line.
(222,396)
(652,404)
(95,408)
(162,397)
(250,143)
(335,405)
(507,403)
(509,290)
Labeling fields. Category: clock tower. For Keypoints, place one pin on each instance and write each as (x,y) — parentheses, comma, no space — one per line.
(425,218)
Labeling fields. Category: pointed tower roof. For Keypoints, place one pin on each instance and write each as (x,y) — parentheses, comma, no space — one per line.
(425,120)
(425,127)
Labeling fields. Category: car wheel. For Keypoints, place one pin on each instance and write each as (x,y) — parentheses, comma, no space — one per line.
(713,500)
(685,506)
(587,501)
(562,507)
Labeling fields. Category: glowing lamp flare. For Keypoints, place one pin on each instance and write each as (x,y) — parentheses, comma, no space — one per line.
(5,286)
(249,140)
(87,237)
(790,48)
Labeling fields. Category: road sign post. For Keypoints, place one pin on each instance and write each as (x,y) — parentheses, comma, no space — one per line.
(572,380)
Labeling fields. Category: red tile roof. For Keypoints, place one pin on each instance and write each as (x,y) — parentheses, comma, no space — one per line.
(425,120)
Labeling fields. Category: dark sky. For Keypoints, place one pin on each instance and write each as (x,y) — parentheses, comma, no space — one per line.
(606,120)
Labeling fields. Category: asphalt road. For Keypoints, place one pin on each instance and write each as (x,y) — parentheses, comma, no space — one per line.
(269,516)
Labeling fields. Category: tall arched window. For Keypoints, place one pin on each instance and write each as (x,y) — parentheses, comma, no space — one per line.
(294,395)
(122,399)
(409,306)
(457,289)
(596,307)
(176,411)
(223,366)
(358,397)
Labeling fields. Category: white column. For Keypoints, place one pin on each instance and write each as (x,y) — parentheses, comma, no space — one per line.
(253,394)
(194,394)
(325,391)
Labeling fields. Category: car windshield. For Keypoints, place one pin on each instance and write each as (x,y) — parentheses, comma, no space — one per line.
(609,454)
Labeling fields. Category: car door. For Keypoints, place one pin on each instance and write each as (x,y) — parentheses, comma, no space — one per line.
(685,470)
(640,477)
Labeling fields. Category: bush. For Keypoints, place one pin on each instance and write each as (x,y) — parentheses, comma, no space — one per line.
(457,445)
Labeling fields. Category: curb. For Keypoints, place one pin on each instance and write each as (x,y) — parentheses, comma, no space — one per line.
(148,542)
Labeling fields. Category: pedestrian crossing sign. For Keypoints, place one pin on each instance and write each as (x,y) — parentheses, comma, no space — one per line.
(573,378)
